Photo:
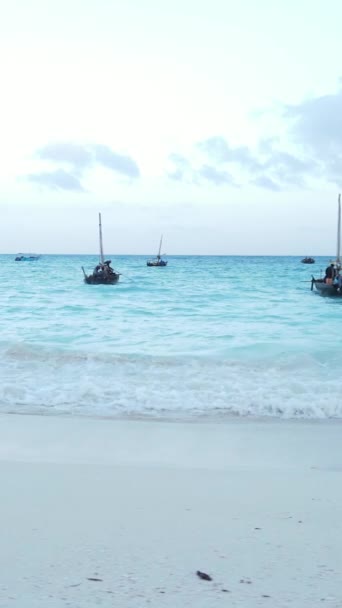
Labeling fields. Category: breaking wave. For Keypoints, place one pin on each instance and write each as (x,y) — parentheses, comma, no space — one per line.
(39,380)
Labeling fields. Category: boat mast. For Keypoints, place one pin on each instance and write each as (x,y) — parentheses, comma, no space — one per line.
(338,254)
(101,242)
(160,244)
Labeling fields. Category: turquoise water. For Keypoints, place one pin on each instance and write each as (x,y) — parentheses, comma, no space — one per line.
(203,336)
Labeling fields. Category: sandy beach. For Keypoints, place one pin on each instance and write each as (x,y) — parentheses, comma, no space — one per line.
(110,513)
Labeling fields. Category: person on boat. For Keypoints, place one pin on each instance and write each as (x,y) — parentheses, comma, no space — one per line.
(329,273)
(98,270)
(107,267)
(337,282)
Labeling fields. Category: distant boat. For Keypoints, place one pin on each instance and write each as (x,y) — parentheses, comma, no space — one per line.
(157,261)
(103,273)
(326,286)
(26,257)
(308,260)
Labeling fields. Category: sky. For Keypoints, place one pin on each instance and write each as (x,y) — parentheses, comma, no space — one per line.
(216,123)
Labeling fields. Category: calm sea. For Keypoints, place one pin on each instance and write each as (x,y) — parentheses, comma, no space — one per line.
(217,336)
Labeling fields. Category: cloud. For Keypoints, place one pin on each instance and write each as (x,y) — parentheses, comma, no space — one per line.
(310,147)
(267,163)
(214,175)
(318,121)
(270,164)
(216,147)
(184,171)
(77,155)
(267,166)
(117,162)
(219,150)
(316,126)
(82,157)
(266,145)
(181,168)
(57,180)
(266,182)
(287,168)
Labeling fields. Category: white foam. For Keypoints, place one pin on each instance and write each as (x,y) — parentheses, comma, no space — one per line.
(35,380)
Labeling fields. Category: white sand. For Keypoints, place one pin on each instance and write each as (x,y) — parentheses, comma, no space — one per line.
(143,505)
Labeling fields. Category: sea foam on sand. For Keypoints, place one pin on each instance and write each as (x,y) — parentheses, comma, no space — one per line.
(123,513)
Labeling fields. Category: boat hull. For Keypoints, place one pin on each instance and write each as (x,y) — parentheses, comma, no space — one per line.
(331,291)
(97,280)
(153,264)
(30,258)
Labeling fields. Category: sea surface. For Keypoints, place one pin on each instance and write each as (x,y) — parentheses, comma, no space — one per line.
(205,336)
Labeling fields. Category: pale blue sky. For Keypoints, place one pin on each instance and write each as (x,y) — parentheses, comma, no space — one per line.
(217,123)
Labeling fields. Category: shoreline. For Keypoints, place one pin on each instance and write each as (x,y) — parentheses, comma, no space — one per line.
(186,418)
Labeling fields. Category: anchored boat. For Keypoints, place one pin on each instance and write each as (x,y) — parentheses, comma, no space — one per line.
(26,257)
(157,261)
(331,285)
(103,273)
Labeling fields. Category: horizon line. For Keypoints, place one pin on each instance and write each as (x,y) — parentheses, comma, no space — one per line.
(175,255)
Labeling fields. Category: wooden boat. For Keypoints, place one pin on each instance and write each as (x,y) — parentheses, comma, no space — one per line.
(308,260)
(327,287)
(157,261)
(103,274)
(324,289)
(26,257)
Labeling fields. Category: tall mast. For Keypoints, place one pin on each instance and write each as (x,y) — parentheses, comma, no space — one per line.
(101,243)
(338,256)
(160,244)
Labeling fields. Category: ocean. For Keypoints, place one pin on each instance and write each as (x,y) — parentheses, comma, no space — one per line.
(204,337)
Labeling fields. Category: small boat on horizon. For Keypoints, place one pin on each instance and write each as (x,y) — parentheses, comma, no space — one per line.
(103,273)
(27,257)
(157,261)
(331,284)
(308,260)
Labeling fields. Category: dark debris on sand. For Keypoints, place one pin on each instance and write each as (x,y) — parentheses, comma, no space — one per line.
(204,576)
